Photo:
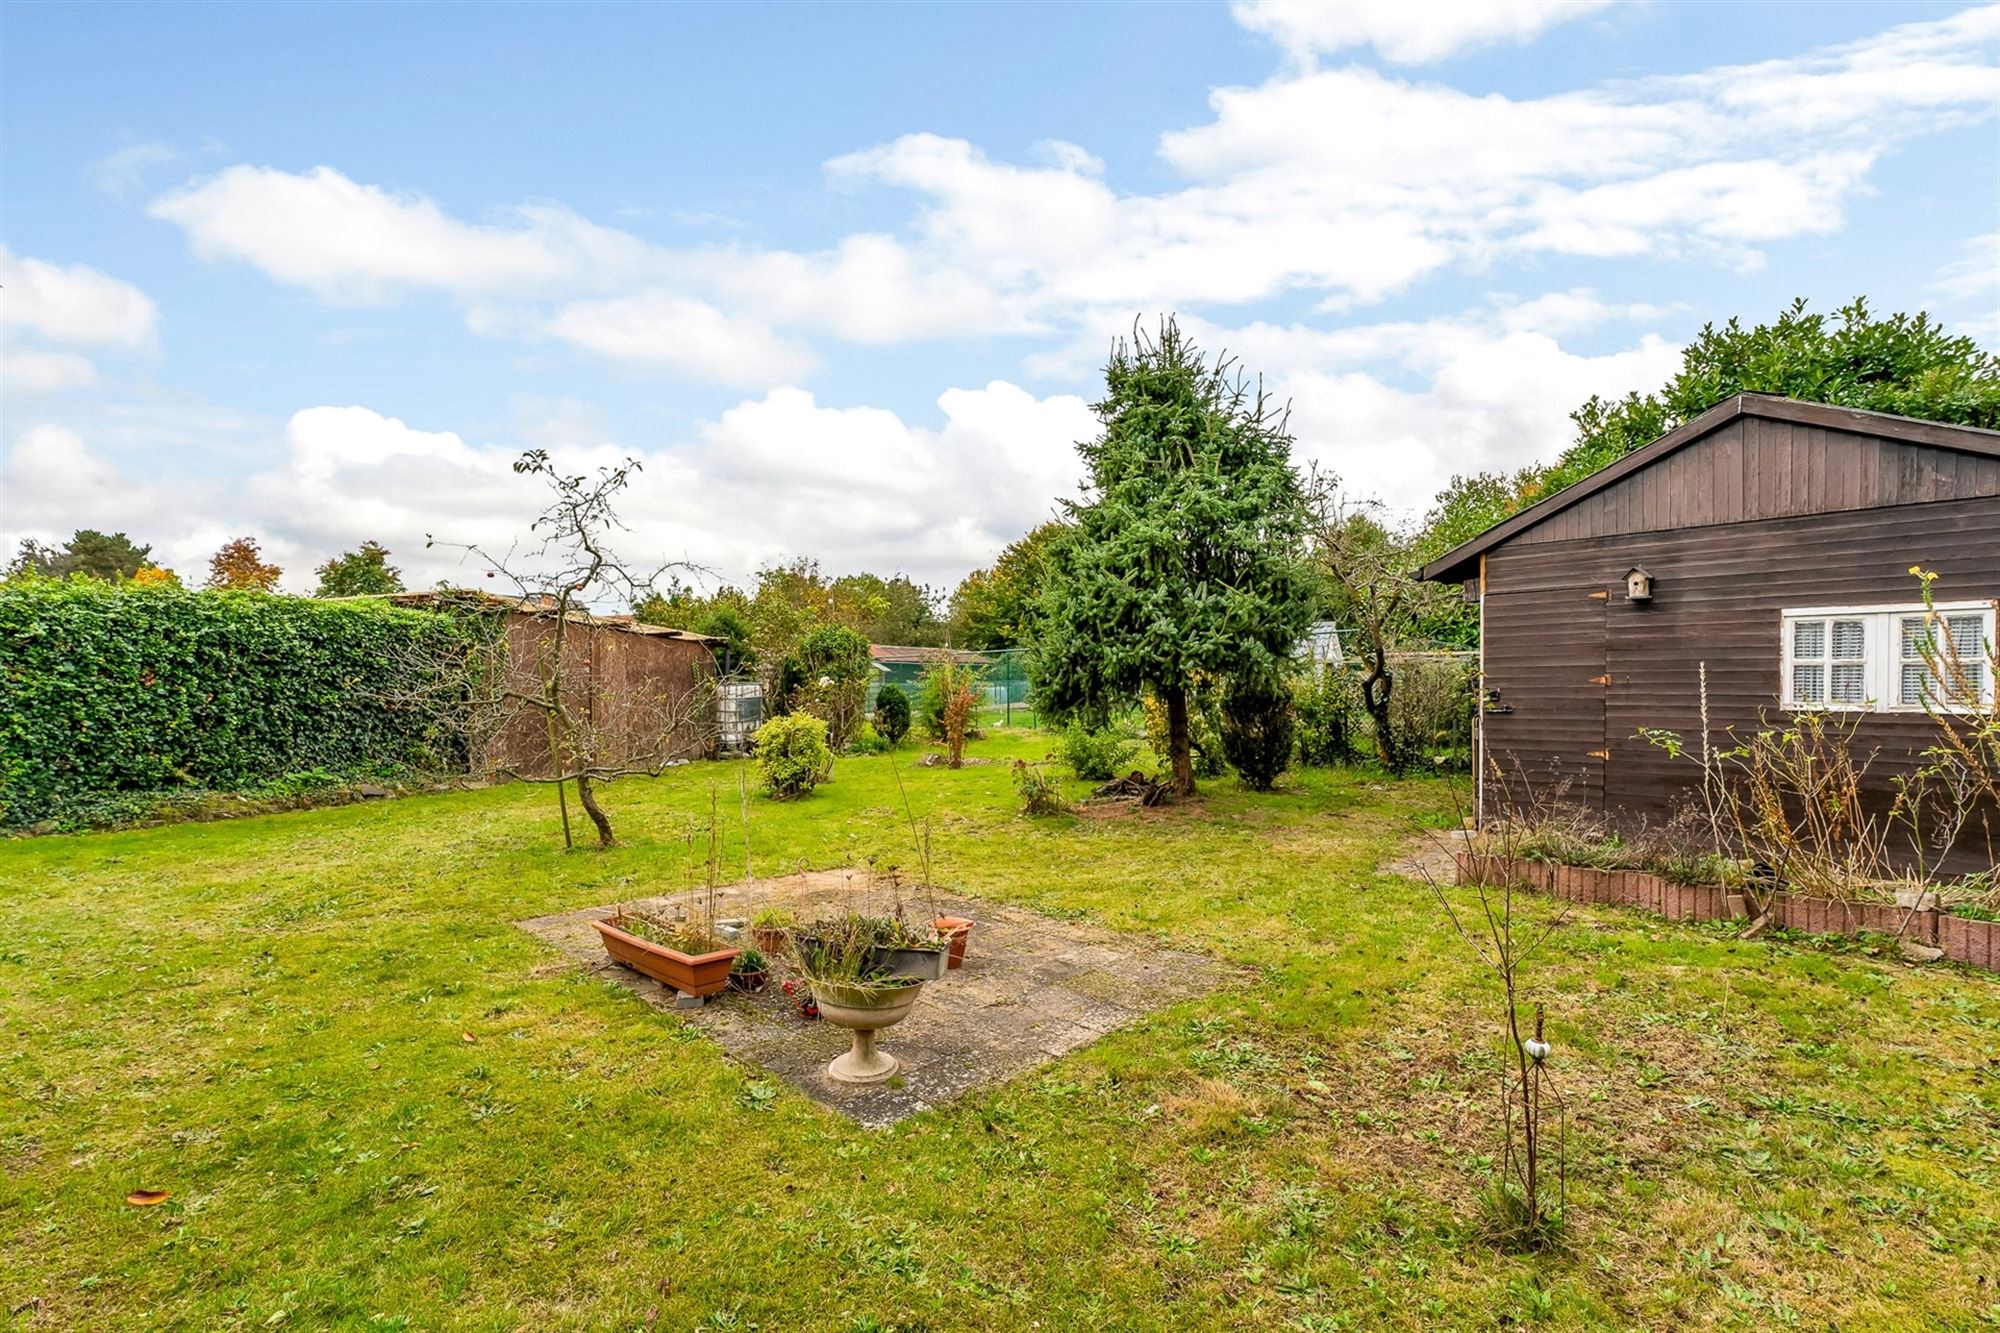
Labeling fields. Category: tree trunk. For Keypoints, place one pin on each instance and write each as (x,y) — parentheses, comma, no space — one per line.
(590,807)
(1180,748)
(1375,698)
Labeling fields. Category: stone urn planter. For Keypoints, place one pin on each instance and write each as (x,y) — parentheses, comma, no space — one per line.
(957,929)
(864,1009)
(699,974)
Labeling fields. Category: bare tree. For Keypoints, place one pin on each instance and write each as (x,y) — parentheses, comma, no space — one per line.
(1504,935)
(1377,599)
(596,731)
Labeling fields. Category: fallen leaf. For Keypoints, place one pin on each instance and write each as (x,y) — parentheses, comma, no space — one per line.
(146,1198)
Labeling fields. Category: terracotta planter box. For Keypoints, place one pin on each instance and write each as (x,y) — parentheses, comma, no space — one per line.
(1965,940)
(771,941)
(696,974)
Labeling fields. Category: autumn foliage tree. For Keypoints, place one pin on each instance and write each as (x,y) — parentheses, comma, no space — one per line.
(240,566)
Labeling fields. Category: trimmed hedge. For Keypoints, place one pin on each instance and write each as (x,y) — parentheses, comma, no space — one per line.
(118,688)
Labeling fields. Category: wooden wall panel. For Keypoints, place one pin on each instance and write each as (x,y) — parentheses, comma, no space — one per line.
(1718,596)
(1755,468)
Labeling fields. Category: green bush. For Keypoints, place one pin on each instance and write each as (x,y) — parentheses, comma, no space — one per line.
(1257,728)
(865,740)
(108,689)
(1038,790)
(1325,714)
(1431,708)
(892,713)
(792,755)
(1096,755)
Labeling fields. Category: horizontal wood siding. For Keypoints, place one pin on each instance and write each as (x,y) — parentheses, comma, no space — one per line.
(1544,646)
(1753,468)
(1719,592)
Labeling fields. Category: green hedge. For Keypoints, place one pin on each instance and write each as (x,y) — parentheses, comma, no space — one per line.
(107,689)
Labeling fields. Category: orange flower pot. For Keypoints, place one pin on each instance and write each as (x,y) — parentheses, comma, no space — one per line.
(959,929)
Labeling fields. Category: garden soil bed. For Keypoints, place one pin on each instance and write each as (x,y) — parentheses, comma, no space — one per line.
(1032,990)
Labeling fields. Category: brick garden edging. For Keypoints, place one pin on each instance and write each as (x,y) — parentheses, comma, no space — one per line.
(1963,939)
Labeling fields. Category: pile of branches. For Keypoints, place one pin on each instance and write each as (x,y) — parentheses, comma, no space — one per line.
(1134,786)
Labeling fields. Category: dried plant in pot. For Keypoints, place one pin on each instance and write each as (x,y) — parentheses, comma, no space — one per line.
(837,960)
(683,951)
(679,954)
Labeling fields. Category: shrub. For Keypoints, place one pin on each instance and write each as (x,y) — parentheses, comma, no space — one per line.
(1430,710)
(944,676)
(111,689)
(957,723)
(1324,707)
(892,713)
(830,678)
(792,755)
(1095,754)
(1257,728)
(1039,793)
(865,740)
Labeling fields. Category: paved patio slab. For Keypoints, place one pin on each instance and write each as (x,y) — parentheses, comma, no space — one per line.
(1033,989)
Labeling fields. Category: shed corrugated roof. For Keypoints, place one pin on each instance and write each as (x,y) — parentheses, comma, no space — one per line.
(541,605)
(902,655)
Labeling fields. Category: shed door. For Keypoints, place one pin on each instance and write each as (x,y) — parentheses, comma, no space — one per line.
(1544,654)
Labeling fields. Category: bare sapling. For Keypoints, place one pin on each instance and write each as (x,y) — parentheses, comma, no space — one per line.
(1510,927)
(599,725)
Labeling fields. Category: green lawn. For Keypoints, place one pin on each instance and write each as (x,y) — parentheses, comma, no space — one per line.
(378,1104)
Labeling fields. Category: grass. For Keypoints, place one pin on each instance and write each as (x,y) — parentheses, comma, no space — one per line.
(378,1104)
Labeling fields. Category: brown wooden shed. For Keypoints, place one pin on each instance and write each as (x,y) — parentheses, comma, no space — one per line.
(1771,540)
(645,689)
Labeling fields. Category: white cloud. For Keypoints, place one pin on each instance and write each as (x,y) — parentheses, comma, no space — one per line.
(74,304)
(1345,185)
(25,370)
(1405,32)
(123,170)
(660,329)
(1974,273)
(54,485)
(360,244)
(773,477)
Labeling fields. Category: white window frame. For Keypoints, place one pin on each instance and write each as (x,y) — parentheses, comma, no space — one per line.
(1884,660)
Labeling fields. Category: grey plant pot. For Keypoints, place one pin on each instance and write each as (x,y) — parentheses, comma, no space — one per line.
(928,964)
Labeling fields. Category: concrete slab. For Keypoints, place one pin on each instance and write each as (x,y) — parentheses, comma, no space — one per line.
(1032,990)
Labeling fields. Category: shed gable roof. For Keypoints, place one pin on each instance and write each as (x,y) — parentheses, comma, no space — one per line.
(1460,563)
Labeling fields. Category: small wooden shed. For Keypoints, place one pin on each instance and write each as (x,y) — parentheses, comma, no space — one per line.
(646,690)
(1767,540)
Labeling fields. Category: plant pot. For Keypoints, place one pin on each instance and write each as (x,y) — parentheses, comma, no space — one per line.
(749,982)
(695,974)
(770,940)
(924,964)
(958,929)
(864,1010)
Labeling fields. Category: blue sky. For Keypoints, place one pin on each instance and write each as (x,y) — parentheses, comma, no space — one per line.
(843,276)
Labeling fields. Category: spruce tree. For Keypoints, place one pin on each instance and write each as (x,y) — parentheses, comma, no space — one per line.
(1183,564)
